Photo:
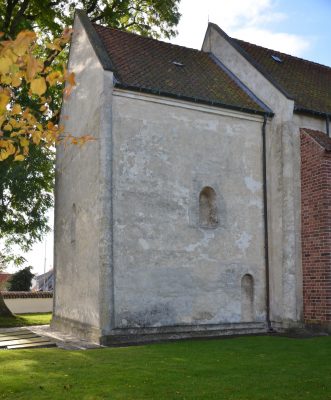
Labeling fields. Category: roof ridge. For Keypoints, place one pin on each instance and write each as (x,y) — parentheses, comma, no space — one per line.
(286,54)
(149,38)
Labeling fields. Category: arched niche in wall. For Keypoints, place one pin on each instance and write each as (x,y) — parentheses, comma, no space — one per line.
(208,212)
(247,298)
(73,225)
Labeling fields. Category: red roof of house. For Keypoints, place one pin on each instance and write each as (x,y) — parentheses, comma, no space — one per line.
(4,277)
(145,64)
(320,137)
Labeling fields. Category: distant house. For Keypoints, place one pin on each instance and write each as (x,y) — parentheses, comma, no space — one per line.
(44,282)
(4,278)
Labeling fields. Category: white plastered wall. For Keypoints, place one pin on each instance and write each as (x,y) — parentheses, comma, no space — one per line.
(169,271)
(83,179)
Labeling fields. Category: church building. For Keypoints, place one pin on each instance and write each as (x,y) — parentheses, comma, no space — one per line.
(203,206)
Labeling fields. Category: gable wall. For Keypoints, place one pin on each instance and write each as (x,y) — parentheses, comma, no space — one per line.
(168,270)
(216,44)
(82,259)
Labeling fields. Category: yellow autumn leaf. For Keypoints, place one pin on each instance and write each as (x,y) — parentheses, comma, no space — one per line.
(5,64)
(24,142)
(4,154)
(8,127)
(6,79)
(54,77)
(4,100)
(30,119)
(11,148)
(19,157)
(7,148)
(15,124)
(8,53)
(36,137)
(22,42)
(16,109)
(16,81)
(54,46)
(20,132)
(33,66)
(38,86)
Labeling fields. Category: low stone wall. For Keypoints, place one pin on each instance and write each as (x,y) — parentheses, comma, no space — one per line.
(28,302)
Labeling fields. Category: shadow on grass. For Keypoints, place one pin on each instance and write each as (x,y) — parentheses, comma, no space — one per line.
(18,320)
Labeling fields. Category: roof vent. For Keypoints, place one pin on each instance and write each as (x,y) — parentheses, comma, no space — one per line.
(276,58)
(178,64)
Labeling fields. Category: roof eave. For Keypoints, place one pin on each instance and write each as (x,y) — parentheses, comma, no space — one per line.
(159,92)
(303,110)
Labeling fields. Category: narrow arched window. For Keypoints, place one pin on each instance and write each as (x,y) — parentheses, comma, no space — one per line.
(247,298)
(208,213)
(73,225)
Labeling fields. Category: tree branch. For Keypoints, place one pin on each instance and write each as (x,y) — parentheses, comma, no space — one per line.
(95,19)
(19,16)
(92,7)
(54,3)
(8,15)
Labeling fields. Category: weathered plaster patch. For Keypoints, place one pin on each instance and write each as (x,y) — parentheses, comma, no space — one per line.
(207,236)
(153,315)
(244,241)
(143,244)
(255,203)
(252,184)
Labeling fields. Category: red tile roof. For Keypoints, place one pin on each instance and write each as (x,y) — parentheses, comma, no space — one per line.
(320,137)
(146,64)
(306,82)
(4,277)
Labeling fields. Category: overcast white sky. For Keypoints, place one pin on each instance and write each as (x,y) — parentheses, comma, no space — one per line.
(300,28)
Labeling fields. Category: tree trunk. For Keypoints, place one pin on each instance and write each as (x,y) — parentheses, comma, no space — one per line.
(4,310)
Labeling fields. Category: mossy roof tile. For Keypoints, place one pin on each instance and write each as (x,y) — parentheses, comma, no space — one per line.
(143,63)
(306,82)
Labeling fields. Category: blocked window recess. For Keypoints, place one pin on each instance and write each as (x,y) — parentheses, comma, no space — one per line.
(247,298)
(73,225)
(208,212)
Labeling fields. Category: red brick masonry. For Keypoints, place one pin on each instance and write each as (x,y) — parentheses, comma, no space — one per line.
(25,295)
(316,226)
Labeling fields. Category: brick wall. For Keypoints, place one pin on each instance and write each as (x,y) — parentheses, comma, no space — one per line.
(316,227)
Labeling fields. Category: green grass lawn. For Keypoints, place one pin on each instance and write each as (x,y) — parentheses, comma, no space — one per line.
(268,368)
(25,320)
